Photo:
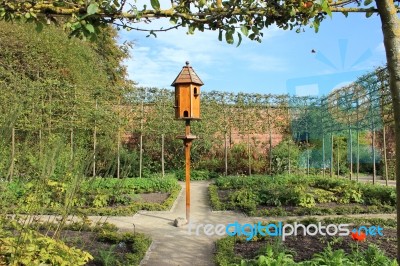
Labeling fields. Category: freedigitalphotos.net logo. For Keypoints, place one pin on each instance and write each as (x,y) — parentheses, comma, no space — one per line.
(342,73)
(249,231)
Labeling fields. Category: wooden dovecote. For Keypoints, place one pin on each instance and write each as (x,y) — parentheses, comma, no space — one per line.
(187,94)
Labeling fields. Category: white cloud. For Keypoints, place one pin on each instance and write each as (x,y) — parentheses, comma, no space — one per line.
(157,61)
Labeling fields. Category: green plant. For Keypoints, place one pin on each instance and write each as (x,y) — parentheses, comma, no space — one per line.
(224,254)
(28,247)
(323,196)
(107,257)
(284,153)
(195,175)
(215,202)
(374,256)
(244,199)
(306,200)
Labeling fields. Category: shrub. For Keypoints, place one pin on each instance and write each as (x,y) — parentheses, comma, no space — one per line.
(280,156)
(195,175)
(225,255)
(215,202)
(245,199)
(28,247)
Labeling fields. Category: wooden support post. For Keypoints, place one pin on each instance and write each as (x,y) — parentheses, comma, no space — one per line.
(188,144)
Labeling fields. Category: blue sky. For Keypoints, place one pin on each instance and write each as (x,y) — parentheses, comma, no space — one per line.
(282,63)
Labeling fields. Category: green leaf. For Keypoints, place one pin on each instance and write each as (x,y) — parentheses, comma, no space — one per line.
(191,29)
(255,29)
(220,36)
(116,3)
(325,7)
(316,25)
(369,13)
(292,12)
(368,2)
(173,20)
(92,9)
(240,39)
(345,13)
(89,28)
(155,4)
(229,37)
(244,30)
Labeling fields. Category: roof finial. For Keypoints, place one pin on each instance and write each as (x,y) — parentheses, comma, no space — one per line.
(187,63)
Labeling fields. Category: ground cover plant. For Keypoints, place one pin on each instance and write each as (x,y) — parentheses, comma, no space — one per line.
(26,243)
(299,195)
(196,175)
(94,196)
(312,250)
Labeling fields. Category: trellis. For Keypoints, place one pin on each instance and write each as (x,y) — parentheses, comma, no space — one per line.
(363,106)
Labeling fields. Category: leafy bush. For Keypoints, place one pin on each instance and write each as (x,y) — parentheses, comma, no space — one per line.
(375,194)
(323,196)
(195,175)
(276,255)
(302,192)
(225,255)
(244,199)
(270,257)
(215,202)
(280,156)
(93,195)
(28,247)
(391,169)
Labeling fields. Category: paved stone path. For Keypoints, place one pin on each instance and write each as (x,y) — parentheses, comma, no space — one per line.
(174,246)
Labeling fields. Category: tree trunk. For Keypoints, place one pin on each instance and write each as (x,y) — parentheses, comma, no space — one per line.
(308,154)
(373,154)
(162,155)
(338,159)
(351,154)
(162,136)
(385,155)
(358,152)
(249,151)
(323,155)
(270,150)
(289,166)
(391,34)
(119,140)
(141,143)
(331,173)
(226,152)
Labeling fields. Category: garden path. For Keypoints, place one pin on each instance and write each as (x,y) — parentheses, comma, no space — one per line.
(173,246)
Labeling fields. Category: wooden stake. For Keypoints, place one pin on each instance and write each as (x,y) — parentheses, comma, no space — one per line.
(188,144)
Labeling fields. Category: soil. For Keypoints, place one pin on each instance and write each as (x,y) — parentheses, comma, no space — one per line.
(303,247)
(152,197)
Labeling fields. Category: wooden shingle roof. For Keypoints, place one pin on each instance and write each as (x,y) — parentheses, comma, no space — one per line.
(187,75)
